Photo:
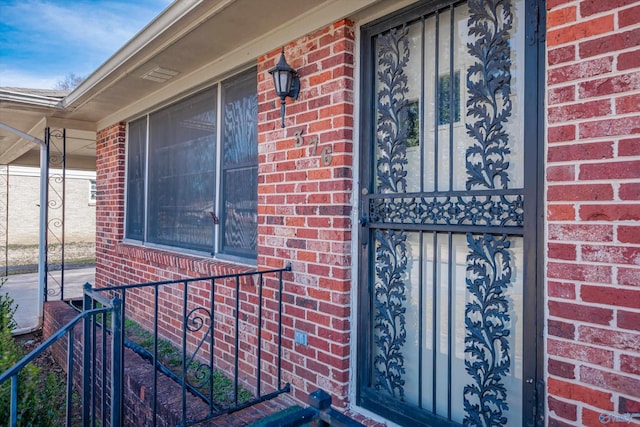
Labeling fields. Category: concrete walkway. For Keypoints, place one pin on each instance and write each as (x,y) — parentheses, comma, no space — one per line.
(23,288)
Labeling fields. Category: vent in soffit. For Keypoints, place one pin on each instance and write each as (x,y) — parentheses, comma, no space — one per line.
(159,74)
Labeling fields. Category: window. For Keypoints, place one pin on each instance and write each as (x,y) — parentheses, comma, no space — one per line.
(176,185)
(445,90)
(93,191)
(240,167)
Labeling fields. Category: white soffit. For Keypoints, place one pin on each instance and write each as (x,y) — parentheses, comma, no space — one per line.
(159,75)
(209,40)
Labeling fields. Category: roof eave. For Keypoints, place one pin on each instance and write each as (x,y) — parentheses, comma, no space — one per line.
(108,72)
(25,98)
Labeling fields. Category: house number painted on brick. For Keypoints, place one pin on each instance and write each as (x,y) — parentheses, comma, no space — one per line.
(325,154)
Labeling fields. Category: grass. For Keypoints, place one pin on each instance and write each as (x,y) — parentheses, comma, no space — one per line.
(24,258)
(33,268)
(171,357)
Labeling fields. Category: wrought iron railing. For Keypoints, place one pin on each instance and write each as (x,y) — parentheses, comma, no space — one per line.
(56,142)
(85,371)
(218,339)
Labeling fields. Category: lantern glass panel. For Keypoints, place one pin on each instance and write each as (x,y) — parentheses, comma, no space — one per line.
(282,82)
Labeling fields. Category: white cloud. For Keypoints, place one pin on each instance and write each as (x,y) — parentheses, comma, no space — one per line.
(17,78)
(97,26)
(94,28)
(44,40)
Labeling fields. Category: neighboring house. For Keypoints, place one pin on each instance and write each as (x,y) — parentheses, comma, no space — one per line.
(456,189)
(20,195)
(70,159)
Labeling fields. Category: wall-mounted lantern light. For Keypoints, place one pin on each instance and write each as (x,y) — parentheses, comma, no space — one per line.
(286,82)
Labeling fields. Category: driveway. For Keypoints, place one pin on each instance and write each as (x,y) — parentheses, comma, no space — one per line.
(23,288)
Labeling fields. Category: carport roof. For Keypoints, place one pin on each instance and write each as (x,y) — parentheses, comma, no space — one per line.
(30,111)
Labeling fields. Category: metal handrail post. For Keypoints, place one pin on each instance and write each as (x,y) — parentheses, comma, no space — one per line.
(14,400)
(43,261)
(86,355)
(116,364)
(69,396)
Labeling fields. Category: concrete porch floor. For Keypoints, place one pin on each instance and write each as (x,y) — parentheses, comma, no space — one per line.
(23,288)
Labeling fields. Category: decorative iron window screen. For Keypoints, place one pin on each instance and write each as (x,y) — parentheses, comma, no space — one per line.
(172,171)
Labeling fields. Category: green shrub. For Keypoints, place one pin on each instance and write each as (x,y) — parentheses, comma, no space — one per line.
(171,357)
(38,394)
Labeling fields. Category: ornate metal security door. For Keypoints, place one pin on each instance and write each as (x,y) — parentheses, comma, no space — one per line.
(448,290)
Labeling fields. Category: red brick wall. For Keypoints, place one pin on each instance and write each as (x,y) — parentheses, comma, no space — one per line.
(304,205)
(121,263)
(593,208)
(110,170)
(304,218)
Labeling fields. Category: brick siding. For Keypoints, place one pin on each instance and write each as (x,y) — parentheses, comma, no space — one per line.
(304,205)
(593,188)
(304,211)
(303,218)
(119,263)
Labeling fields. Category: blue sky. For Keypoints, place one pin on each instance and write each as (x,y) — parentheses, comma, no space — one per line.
(42,41)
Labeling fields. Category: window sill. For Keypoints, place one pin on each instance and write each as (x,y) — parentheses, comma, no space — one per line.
(190,264)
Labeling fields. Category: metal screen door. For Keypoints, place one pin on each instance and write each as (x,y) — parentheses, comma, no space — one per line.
(447,329)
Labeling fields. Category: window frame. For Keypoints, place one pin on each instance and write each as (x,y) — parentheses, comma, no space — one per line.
(126,238)
(217,197)
(93,192)
(226,86)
